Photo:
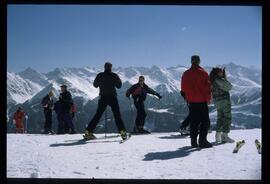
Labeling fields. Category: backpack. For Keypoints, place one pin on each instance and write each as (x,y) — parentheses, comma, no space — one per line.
(73,108)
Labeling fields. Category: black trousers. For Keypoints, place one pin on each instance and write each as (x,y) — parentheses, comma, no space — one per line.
(64,123)
(48,119)
(141,114)
(102,104)
(199,120)
(187,121)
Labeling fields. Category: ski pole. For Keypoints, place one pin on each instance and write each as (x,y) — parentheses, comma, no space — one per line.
(26,117)
(105,123)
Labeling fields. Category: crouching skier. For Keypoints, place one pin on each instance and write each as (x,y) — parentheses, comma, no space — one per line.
(139,92)
(107,81)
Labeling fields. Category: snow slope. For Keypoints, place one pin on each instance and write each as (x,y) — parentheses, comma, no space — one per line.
(154,156)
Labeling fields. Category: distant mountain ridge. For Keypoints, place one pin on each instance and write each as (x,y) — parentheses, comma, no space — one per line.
(29,86)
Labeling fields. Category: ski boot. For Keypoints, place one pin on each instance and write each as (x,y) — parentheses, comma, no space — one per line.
(184,132)
(88,135)
(205,144)
(218,137)
(123,134)
(225,138)
(194,143)
(52,132)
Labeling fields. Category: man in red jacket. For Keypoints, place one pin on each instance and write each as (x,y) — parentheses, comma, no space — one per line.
(197,89)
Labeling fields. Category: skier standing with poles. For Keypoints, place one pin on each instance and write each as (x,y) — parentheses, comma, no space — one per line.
(139,92)
(107,81)
(197,88)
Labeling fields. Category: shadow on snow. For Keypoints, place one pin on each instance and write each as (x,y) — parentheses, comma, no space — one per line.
(82,141)
(166,155)
(175,137)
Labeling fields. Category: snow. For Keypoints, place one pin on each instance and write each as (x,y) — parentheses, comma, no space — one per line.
(160,110)
(19,89)
(154,156)
(81,80)
(83,86)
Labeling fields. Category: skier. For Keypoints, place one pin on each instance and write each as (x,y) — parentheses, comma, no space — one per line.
(107,81)
(57,109)
(139,92)
(221,98)
(65,101)
(73,110)
(183,128)
(18,118)
(197,88)
(47,103)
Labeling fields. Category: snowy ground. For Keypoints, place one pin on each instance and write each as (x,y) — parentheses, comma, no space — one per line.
(154,156)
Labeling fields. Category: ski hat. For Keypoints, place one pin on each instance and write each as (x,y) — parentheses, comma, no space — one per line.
(141,77)
(63,86)
(108,66)
(195,59)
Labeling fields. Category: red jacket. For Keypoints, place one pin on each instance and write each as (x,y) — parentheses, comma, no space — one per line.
(18,117)
(196,85)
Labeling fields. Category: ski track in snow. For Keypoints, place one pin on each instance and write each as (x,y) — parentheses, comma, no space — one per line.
(154,156)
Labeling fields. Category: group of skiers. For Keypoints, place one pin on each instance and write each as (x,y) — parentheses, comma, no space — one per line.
(107,81)
(197,89)
(64,109)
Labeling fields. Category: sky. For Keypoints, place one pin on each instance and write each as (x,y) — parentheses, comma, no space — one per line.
(44,37)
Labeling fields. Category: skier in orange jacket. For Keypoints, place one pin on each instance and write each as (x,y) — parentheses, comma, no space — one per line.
(18,118)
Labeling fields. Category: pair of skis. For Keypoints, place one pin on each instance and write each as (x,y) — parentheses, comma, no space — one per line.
(239,144)
(120,142)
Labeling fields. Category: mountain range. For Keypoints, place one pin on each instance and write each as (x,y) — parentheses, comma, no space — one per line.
(28,87)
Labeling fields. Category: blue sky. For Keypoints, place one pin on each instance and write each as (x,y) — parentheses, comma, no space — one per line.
(48,36)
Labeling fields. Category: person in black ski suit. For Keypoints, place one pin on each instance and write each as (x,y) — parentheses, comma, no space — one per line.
(187,121)
(57,109)
(107,81)
(47,103)
(65,116)
(139,92)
